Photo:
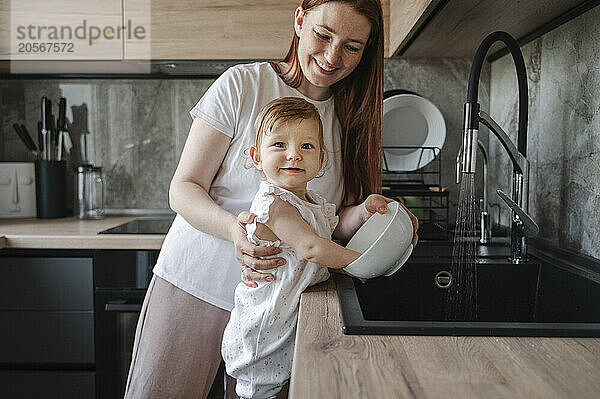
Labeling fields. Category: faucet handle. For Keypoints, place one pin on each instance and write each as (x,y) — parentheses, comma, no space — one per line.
(530,228)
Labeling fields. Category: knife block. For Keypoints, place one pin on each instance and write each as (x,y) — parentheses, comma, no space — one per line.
(50,189)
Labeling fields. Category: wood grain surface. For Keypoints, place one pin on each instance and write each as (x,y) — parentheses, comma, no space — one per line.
(72,233)
(328,364)
(65,16)
(181,30)
(218,30)
(461,25)
(213,29)
(406,16)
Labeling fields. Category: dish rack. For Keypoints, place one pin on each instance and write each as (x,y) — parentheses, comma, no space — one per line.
(422,191)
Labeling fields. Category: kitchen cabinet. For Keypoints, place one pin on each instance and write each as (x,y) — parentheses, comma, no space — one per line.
(183,30)
(213,29)
(64,27)
(406,16)
(235,30)
(69,304)
(454,28)
(47,384)
(218,30)
(47,324)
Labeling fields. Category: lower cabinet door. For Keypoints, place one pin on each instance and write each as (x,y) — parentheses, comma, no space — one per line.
(47,384)
(46,283)
(46,337)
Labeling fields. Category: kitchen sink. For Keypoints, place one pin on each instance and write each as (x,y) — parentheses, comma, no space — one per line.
(542,297)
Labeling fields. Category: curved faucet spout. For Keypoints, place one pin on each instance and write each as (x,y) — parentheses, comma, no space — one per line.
(472,92)
(518,155)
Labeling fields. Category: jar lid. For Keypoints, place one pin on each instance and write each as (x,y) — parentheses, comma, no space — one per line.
(85,168)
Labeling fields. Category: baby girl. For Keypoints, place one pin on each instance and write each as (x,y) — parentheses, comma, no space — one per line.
(258,342)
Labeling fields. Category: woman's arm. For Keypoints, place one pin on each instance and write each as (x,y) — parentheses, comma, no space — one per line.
(287,224)
(202,155)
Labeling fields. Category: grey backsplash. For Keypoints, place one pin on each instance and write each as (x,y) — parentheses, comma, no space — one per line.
(138,127)
(563,143)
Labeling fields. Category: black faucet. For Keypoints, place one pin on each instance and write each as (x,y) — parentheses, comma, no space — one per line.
(522,225)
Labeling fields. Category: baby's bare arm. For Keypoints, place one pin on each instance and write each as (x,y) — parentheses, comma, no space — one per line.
(287,224)
(264,233)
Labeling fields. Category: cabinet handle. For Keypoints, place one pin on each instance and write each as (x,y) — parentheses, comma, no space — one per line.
(121,306)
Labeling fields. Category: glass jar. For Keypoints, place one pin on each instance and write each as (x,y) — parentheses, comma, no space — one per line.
(89,192)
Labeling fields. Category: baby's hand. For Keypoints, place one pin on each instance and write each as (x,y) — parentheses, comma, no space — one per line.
(374,203)
(378,203)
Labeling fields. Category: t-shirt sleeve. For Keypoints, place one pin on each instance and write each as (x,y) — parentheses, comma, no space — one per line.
(219,106)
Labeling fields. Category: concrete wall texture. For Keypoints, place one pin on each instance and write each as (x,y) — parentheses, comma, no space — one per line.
(137,128)
(563,146)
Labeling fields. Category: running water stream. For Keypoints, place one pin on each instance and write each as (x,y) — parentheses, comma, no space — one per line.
(461,297)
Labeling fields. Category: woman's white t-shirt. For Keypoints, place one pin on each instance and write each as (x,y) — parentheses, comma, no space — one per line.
(204,265)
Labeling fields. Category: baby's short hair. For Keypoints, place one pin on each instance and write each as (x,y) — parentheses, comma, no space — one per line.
(286,109)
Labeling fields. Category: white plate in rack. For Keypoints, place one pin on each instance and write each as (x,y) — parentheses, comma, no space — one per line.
(410,120)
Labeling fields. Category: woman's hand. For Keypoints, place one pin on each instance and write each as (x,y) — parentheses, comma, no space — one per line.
(248,255)
(378,203)
(415,223)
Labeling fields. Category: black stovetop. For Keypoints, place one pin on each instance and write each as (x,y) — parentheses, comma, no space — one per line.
(143,225)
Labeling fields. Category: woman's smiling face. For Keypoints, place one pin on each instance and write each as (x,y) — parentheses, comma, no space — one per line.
(332,38)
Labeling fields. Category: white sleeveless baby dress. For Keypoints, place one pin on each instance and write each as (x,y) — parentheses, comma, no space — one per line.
(258,342)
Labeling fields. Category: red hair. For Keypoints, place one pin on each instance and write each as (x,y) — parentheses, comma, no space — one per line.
(358,104)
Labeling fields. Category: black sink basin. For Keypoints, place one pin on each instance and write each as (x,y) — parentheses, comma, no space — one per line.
(538,298)
(498,250)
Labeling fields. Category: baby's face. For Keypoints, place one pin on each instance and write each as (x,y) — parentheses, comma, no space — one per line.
(290,155)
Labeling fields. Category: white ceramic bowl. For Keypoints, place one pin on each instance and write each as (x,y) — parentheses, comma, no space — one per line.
(384,241)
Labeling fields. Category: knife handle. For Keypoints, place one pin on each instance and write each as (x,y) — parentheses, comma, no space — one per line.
(44,104)
(28,138)
(48,115)
(41,141)
(21,136)
(53,139)
(62,111)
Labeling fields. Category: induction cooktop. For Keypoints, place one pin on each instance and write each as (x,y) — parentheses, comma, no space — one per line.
(143,225)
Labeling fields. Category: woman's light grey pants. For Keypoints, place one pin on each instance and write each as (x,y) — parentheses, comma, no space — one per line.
(177,348)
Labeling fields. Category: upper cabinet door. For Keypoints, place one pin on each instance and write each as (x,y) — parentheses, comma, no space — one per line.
(109,30)
(210,29)
(455,28)
(61,30)
(406,16)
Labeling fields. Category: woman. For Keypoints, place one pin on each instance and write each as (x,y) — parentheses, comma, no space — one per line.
(335,62)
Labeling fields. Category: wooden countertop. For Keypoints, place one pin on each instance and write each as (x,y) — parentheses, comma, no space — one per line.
(328,364)
(72,233)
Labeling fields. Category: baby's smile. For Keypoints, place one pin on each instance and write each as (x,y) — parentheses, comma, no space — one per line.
(293,170)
